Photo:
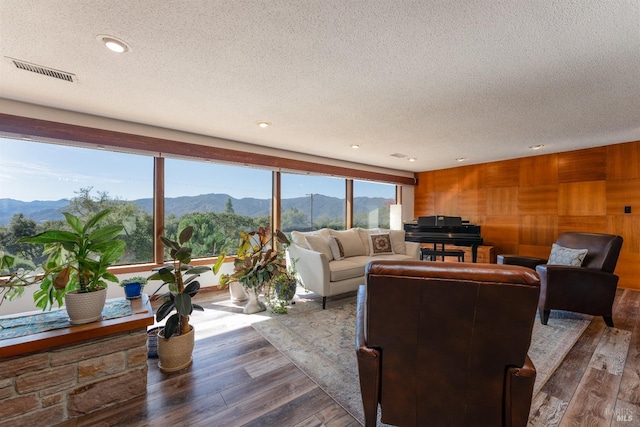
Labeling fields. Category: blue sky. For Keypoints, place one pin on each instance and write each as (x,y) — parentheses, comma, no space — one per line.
(36,171)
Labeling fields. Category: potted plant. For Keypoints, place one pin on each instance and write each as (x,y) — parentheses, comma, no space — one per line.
(176,338)
(282,289)
(77,265)
(133,287)
(256,264)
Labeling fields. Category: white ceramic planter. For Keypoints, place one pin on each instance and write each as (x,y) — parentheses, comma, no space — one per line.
(85,307)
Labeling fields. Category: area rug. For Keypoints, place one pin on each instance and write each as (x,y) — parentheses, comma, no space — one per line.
(322,344)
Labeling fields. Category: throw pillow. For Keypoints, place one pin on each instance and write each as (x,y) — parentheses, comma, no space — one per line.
(350,241)
(336,248)
(566,256)
(397,241)
(318,243)
(380,244)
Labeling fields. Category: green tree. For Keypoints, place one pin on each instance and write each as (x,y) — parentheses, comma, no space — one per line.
(228,207)
(294,219)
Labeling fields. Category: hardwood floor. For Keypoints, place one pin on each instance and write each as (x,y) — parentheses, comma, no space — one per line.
(239,379)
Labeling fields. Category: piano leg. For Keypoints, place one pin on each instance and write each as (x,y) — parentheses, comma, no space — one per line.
(474,253)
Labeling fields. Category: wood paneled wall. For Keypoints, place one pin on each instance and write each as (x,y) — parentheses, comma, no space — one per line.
(524,204)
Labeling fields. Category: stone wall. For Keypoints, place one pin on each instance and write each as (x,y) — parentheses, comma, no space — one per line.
(49,387)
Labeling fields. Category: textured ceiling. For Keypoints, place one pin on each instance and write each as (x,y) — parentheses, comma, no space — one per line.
(434,80)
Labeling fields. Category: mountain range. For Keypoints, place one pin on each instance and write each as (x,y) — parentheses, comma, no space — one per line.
(323,206)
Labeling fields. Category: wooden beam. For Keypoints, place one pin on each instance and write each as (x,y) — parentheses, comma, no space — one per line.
(87,135)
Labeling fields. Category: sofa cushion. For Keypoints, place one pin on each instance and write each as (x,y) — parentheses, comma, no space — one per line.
(319,244)
(337,250)
(348,268)
(298,237)
(351,242)
(380,244)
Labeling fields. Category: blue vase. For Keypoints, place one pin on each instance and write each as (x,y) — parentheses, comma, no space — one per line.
(132,290)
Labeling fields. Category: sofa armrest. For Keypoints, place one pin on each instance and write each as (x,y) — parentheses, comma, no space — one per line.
(312,268)
(523,261)
(412,249)
(518,393)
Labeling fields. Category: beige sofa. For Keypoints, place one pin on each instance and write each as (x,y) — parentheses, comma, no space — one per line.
(331,262)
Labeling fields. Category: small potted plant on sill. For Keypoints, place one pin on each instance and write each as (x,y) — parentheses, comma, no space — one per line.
(133,286)
(257,264)
(76,269)
(176,338)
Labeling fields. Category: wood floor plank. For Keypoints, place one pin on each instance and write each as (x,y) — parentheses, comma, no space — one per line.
(236,394)
(611,352)
(565,380)
(335,415)
(593,403)
(630,384)
(546,410)
(293,412)
(258,405)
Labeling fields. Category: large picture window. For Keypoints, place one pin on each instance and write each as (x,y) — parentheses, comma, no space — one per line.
(219,201)
(312,202)
(371,202)
(39,181)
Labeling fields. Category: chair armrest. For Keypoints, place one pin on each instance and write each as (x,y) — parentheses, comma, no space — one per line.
(518,393)
(368,363)
(559,285)
(312,268)
(524,261)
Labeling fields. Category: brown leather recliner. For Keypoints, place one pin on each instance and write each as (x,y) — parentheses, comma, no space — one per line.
(589,288)
(445,344)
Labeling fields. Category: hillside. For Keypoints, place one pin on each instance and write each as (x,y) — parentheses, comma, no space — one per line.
(323,206)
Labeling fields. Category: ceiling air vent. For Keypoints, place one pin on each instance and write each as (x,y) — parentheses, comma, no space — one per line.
(62,75)
(399,155)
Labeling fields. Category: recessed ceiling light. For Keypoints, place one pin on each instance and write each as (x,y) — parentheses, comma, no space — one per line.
(461,159)
(536,147)
(114,44)
(264,124)
(355,146)
(412,159)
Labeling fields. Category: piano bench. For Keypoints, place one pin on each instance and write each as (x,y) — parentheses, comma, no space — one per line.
(432,255)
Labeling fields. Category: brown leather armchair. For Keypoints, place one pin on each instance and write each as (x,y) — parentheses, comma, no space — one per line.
(442,343)
(589,288)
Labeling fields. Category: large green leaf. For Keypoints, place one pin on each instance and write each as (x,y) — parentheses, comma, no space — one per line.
(91,222)
(106,233)
(192,288)
(164,310)
(183,303)
(50,236)
(185,234)
(183,254)
(170,243)
(74,222)
(198,270)
(165,275)
(110,251)
(171,326)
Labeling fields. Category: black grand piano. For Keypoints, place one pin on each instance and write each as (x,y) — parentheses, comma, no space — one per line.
(441,230)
